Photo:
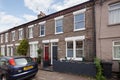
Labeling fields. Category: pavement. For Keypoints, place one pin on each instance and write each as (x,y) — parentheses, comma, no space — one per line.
(47,75)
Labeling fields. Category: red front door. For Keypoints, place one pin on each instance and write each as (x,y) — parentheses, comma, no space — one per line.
(46,56)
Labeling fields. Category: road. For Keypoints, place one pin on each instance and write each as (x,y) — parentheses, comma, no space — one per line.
(47,75)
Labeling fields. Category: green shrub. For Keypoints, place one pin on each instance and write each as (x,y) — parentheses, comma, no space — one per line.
(39,51)
(99,75)
(23,47)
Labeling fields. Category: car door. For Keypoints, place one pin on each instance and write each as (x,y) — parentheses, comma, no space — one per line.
(0,68)
(3,66)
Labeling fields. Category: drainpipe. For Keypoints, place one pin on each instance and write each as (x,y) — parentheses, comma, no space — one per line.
(94,25)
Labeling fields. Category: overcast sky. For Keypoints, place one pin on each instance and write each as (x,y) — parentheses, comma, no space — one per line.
(16,12)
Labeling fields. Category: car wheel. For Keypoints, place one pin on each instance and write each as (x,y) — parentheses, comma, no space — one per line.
(4,78)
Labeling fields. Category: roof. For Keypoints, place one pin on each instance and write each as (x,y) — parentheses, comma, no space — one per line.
(53,15)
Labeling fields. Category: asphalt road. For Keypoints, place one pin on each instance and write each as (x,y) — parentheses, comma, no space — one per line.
(47,75)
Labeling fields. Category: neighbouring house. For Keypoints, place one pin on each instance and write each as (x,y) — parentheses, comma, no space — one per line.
(107,13)
(67,33)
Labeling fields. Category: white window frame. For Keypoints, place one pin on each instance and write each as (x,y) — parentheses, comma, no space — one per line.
(82,11)
(33,52)
(10,50)
(113,50)
(58,18)
(3,50)
(13,35)
(1,38)
(74,39)
(6,37)
(117,18)
(42,23)
(30,32)
(20,34)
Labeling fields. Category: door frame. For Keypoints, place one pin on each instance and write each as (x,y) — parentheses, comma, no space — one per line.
(52,51)
(44,50)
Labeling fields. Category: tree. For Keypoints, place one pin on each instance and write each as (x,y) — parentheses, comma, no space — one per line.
(39,51)
(23,47)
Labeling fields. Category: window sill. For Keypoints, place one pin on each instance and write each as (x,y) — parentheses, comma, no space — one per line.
(75,59)
(114,24)
(20,39)
(79,29)
(59,33)
(116,59)
(30,37)
(42,36)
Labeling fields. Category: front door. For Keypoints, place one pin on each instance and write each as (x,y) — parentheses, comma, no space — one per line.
(54,52)
(46,56)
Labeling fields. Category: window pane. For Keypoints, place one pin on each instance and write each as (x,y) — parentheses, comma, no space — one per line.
(59,29)
(69,49)
(59,22)
(42,32)
(116,43)
(79,48)
(70,45)
(117,52)
(115,6)
(79,25)
(20,34)
(59,25)
(79,44)
(69,53)
(55,44)
(42,29)
(79,17)
(79,53)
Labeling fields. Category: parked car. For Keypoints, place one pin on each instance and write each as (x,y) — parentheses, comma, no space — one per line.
(17,68)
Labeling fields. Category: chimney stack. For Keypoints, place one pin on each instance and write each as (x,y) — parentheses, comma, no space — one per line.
(41,14)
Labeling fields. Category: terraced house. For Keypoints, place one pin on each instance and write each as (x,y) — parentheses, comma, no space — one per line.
(68,33)
(108,31)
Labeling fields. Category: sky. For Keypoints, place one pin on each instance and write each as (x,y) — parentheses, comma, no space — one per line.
(17,12)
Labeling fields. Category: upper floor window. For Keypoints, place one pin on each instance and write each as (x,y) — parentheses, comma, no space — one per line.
(114,13)
(79,20)
(116,50)
(13,35)
(59,25)
(2,38)
(6,37)
(30,31)
(20,35)
(42,28)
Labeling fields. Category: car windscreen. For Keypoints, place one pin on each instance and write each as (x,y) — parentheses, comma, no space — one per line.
(23,61)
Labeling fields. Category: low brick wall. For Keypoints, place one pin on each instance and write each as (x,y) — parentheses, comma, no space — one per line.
(81,68)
